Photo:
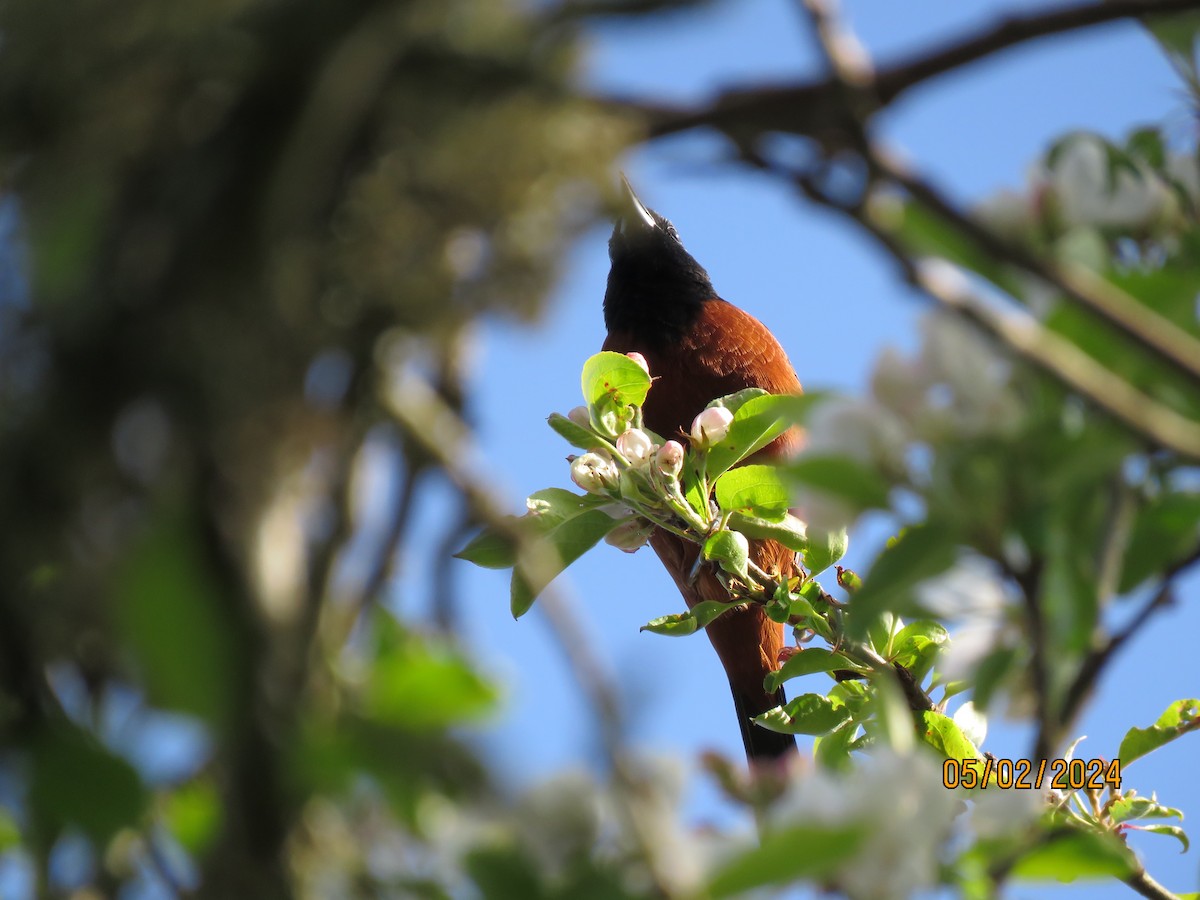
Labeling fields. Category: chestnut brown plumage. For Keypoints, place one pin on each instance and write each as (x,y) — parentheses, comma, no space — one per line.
(661,303)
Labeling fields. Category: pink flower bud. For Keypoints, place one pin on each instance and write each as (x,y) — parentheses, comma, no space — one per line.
(640,360)
(631,535)
(710,427)
(595,472)
(635,445)
(580,416)
(670,459)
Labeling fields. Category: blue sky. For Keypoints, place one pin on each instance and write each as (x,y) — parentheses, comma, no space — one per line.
(834,301)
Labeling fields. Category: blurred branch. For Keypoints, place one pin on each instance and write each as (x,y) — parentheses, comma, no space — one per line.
(1098,659)
(1026,336)
(1139,322)
(814,107)
(574,10)
(424,415)
(1019,331)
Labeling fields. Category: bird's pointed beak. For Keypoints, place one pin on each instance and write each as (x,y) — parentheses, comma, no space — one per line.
(636,210)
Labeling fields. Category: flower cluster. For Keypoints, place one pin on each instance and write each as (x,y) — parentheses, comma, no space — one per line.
(639,469)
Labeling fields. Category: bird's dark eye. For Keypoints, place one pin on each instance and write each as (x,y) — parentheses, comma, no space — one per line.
(672,232)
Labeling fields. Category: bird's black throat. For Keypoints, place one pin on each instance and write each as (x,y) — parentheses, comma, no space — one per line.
(656,289)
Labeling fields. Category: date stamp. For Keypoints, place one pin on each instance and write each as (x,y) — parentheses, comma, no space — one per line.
(1024,774)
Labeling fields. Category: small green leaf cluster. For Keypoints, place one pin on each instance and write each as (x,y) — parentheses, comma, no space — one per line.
(635,481)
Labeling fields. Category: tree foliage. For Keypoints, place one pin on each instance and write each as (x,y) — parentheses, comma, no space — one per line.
(253,237)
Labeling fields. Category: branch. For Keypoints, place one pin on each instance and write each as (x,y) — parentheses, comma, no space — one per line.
(1096,661)
(1015,30)
(1023,334)
(814,108)
(1141,323)
(1141,882)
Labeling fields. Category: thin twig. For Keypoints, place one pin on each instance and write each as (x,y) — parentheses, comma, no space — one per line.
(1096,661)
(813,108)
(1030,582)
(1144,884)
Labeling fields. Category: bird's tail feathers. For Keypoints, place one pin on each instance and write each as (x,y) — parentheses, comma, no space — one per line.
(761,743)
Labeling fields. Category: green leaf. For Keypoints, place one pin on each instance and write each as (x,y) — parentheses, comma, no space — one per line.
(806,662)
(564,543)
(788,531)
(1177,34)
(918,553)
(806,714)
(1172,830)
(824,548)
(1070,854)
(1166,530)
(832,751)
(193,814)
(553,506)
(10,834)
(942,733)
(1132,807)
(730,550)
(682,624)
(1147,143)
(786,855)
(735,401)
(848,479)
(883,631)
(422,685)
(614,381)
(171,612)
(754,491)
(500,871)
(490,550)
(576,435)
(756,422)
(916,646)
(1179,718)
(77,781)
(991,672)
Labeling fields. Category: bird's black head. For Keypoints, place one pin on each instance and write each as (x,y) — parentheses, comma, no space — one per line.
(655,287)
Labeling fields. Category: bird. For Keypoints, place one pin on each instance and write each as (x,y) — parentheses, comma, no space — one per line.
(660,302)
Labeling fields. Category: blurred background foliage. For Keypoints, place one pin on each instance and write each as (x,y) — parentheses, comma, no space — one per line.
(253,238)
(233,215)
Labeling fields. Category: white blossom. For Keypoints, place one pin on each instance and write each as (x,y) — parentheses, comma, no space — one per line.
(971,595)
(595,472)
(710,427)
(1011,214)
(1087,192)
(860,429)
(900,802)
(670,459)
(636,446)
(631,535)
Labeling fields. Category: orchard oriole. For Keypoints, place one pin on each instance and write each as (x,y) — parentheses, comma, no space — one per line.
(661,303)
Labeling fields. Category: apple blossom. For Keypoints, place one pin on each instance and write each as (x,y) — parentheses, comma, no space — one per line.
(640,360)
(595,472)
(635,445)
(670,459)
(710,427)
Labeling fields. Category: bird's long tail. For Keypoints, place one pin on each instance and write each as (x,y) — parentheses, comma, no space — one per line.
(761,743)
